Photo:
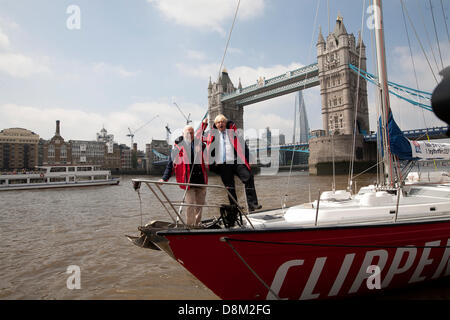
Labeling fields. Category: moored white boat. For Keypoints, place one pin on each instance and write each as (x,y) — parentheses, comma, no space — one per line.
(57,177)
(305,253)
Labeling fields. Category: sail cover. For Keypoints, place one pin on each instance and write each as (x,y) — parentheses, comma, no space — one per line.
(414,150)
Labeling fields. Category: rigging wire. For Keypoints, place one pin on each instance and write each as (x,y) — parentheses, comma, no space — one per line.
(355,123)
(427,34)
(418,39)
(206,114)
(229,36)
(445,21)
(283,201)
(328,9)
(415,73)
(435,32)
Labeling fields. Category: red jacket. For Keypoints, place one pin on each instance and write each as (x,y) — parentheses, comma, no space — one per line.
(182,164)
(240,151)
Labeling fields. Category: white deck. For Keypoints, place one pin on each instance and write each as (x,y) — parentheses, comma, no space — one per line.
(416,203)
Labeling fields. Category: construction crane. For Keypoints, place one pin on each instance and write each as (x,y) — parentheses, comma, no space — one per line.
(168,133)
(131,134)
(188,120)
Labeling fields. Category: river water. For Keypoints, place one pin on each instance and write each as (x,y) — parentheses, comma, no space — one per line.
(43,232)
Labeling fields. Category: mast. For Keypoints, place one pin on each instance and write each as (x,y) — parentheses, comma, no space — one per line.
(384,91)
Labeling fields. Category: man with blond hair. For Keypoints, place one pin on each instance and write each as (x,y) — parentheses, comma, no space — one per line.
(231,159)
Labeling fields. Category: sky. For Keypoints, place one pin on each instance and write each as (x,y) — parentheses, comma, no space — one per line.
(119,64)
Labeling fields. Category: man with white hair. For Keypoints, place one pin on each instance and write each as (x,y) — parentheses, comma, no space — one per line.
(186,161)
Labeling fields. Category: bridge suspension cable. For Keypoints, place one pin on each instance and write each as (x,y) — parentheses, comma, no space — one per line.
(414,92)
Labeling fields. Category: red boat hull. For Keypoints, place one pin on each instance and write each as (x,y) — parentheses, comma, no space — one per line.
(317,263)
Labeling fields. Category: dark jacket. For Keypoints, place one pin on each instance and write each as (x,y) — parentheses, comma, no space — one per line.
(180,164)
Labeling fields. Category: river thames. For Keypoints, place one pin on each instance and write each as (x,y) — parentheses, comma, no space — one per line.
(43,232)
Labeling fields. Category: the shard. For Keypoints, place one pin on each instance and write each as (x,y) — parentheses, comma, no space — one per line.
(301,133)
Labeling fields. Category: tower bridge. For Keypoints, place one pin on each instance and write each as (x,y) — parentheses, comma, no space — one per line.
(340,89)
(292,81)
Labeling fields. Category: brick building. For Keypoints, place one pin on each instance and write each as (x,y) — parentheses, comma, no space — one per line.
(56,151)
(18,149)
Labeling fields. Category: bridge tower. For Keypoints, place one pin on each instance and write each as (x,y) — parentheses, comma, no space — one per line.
(338,90)
(338,83)
(232,111)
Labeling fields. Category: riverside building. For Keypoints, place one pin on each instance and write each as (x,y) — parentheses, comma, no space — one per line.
(18,149)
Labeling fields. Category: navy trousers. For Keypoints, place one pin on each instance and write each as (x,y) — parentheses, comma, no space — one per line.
(227,173)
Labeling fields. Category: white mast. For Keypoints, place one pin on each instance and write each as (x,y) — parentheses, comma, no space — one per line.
(384,91)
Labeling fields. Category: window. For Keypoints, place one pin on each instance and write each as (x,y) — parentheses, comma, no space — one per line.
(51,151)
(100,177)
(39,180)
(63,151)
(18,181)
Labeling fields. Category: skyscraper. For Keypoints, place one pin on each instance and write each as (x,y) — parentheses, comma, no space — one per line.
(302,131)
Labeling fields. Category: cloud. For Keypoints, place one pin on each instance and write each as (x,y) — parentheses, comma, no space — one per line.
(4,40)
(207,14)
(248,75)
(8,23)
(202,71)
(195,55)
(232,50)
(20,66)
(106,69)
(16,64)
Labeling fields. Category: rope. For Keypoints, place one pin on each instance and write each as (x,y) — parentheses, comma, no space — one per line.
(428,36)
(249,268)
(445,21)
(352,163)
(206,114)
(418,39)
(229,37)
(283,201)
(326,245)
(435,32)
